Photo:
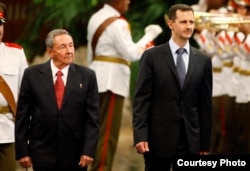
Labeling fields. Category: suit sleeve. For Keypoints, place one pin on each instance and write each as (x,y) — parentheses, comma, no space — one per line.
(22,119)
(206,107)
(142,102)
(92,121)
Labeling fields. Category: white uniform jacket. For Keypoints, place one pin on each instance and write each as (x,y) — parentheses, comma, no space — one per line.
(116,41)
(12,65)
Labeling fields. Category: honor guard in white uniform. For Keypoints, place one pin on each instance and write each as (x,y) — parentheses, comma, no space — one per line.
(110,51)
(242,106)
(239,107)
(231,76)
(12,64)
(242,109)
(206,41)
(247,119)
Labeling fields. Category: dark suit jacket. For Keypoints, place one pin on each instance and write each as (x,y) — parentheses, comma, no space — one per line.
(50,135)
(159,101)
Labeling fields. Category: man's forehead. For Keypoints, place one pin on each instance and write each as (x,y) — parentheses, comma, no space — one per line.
(181,12)
(184,14)
(59,41)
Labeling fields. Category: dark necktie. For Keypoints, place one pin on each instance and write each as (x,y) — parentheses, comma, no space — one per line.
(59,87)
(181,69)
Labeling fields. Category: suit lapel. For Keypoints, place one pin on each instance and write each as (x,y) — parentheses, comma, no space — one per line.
(170,61)
(47,81)
(191,65)
(70,81)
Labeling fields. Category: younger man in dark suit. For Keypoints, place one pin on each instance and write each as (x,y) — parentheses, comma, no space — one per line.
(173,97)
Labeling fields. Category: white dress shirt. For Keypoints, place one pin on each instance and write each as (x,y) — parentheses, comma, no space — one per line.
(64,71)
(174,47)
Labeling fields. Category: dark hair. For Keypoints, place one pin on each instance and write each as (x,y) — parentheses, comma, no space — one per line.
(174,8)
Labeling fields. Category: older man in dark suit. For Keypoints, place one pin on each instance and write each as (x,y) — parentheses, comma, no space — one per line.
(173,97)
(52,132)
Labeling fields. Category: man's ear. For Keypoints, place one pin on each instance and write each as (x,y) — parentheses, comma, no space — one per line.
(49,51)
(169,23)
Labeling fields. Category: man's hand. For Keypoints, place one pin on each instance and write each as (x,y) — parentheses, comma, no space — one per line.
(204,153)
(25,162)
(142,147)
(85,161)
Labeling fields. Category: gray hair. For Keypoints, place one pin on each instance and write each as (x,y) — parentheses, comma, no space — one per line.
(49,41)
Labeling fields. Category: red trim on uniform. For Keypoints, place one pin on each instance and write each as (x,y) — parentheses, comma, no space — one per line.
(150,44)
(14,45)
(233,5)
(237,40)
(203,39)
(2,14)
(229,39)
(247,47)
(107,132)
(122,17)
(221,39)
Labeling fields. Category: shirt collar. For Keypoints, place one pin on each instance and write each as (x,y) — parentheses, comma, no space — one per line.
(174,46)
(55,69)
(111,9)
